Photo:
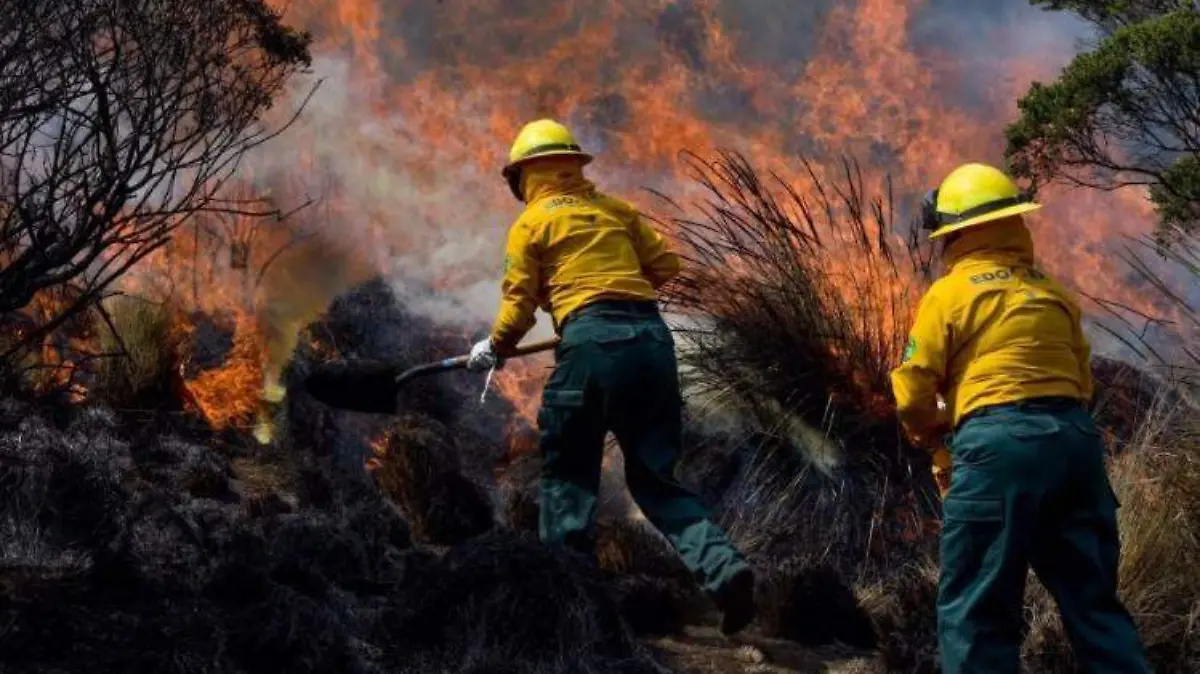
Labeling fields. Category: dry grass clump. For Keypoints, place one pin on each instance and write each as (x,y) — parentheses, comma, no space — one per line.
(812,604)
(520,492)
(796,294)
(653,590)
(796,298)
(418,467)
(794,306)
(140,351)
(903,608)
(1157,481)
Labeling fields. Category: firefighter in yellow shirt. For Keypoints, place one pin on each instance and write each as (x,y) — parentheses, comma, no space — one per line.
(1002,344)
(594,265)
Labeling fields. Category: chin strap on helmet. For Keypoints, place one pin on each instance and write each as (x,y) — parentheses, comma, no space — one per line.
(513,177)
(929,214)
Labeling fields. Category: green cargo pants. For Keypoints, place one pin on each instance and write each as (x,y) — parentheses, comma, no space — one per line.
(1029,488)
(616,372)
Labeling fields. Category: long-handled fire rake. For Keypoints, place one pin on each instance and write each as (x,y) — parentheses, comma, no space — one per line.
(372,386)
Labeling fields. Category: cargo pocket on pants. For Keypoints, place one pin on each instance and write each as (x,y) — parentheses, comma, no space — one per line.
(557,407)
(970,528)
(973,509)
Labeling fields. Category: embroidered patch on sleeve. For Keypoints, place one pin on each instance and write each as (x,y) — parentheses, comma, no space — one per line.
(910,350)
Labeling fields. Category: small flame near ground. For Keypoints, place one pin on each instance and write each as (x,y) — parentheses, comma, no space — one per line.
(266,279)
(521,382)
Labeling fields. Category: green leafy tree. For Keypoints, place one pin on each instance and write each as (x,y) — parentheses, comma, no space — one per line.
(1126,113)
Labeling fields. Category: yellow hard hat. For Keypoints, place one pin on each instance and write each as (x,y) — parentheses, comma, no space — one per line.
(541,138)
(971,195)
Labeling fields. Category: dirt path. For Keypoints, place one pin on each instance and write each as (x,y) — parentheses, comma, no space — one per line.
(703,650)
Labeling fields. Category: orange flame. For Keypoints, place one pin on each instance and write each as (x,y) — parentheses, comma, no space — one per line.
(422,99)
(403,141)
(228,395)
(62,355)
(521,383)
(379,447)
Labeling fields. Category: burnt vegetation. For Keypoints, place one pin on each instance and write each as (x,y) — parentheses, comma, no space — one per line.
(158,546)
(159,556)
(794,309)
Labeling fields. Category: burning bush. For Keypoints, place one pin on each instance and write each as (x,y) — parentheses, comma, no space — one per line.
(814,282)
(794,310)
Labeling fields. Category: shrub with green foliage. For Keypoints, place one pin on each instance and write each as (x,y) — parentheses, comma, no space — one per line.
(1123,114)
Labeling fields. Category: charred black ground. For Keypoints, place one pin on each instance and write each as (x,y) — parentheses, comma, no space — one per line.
(162,556)
(143,543)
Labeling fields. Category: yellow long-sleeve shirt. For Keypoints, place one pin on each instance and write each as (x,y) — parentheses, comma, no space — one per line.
(573,246)
(993,330)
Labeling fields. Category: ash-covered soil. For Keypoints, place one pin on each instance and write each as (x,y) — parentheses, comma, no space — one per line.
(162,556)
(158,554)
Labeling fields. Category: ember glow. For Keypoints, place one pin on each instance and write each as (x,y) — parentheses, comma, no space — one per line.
(402,144)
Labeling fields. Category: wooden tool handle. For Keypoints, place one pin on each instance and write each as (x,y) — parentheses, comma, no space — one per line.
(459,362)
(535,347)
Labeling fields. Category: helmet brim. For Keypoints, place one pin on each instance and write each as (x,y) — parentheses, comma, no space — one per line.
(986,217)
(513,166)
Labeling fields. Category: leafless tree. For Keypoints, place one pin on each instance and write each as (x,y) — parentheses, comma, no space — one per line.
(120,121)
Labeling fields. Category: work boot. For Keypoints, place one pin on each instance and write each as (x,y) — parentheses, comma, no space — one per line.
(736,601)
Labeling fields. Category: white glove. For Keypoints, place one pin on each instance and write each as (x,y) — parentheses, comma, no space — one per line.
(482,357)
